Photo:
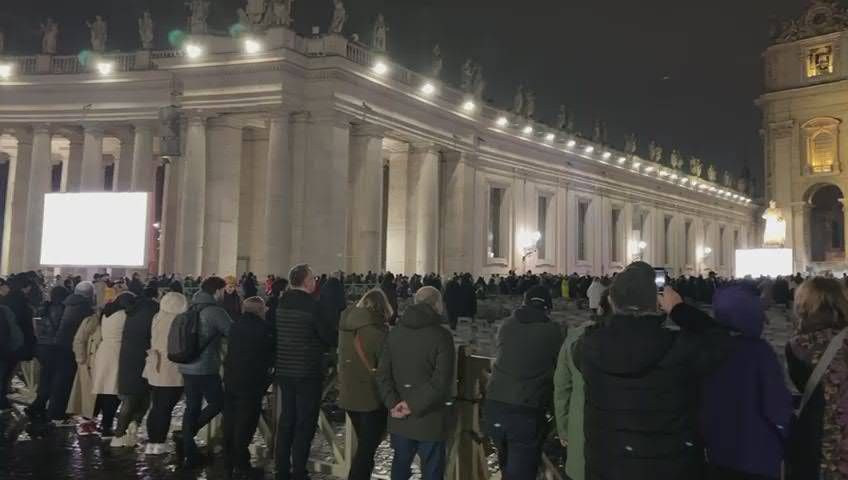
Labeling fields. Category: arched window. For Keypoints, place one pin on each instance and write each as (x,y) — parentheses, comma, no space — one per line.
(822,136)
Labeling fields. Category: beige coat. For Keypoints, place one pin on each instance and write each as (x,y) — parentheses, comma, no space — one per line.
(86,342)
(158,370)
(108,356)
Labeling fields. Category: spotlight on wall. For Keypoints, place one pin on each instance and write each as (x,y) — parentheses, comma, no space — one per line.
(502,121)
(673,176)
(380,67)
(105,68)
(527,130)
(550,137)
(649,169)
(193,50)
(252,46)
(636,165)
(6,70)
(589,149)
(621,160)
(663,173)
(684,180)
(642,245)
(428,88)
(469,106)
(571,143)
(606,155)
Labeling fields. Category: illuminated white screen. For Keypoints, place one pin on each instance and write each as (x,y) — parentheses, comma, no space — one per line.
(767,262)
(94,229)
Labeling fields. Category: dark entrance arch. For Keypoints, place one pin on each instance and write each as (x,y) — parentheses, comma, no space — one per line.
(827,224)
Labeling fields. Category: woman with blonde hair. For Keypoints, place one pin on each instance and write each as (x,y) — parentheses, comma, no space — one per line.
(361,333)
(817,447)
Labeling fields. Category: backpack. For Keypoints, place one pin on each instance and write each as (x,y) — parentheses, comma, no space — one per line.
(16,336)
(184,337)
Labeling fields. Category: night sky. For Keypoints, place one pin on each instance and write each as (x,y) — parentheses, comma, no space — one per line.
(685,73)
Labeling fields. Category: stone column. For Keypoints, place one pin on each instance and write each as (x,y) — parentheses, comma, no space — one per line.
(424,168)
(17,186)
(798,235)
(300,125)
(459,216)
(325,196)
(366,184)
(92,176)
(278,203)
(170,215)
(39,184)
(220,237)
(396,225)
(72,170)
(142,176)
(122,177)
(192,197)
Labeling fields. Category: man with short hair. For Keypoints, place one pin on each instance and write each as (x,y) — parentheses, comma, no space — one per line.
(415,379)
(202,377)
(641,382)
(304,337)
(247,374)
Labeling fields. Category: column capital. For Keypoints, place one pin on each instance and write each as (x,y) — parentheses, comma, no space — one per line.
(423,148)
(197,117)
(23,134)
(93,129)
(41,128)
(226,121)
(143,125)
(367,130)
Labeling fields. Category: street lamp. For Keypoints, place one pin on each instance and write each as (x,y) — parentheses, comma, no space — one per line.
(528,241)
(641,245)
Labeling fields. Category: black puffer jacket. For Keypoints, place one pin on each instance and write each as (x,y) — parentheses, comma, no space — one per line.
(50,316)
(641,394)
(135,342)
(18,302)
(250,355)
(304,336)
(525,376)
(77,309)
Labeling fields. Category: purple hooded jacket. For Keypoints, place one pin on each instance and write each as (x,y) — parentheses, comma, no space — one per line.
(746,407)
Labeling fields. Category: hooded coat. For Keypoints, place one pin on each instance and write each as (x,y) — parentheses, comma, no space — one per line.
(523,376)
(135,342)
(746,407)
(158,370)
(18,302)
(77,308)
(50,316)
(357,384)
(641,383)
(417,366)
(107,358)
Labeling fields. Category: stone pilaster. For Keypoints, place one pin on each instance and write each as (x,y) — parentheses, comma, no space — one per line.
(223,177)
(39,184)
(92,172)
(192,197)
(458,214)
(366,184)
(424,179)
(14,231)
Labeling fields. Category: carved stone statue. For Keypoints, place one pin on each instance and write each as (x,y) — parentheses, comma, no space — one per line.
(630,143)
(145,30)
(243,19)
(255,11)
(742,185)
(712,174)
(50,32)
(199,14)
(279,13)
(478,83)
(695,166)
(529,103)
(378,37)
(598,132)
(727,180)
(466,77)
(676,160)
(438,63)
(774,234)
(98,30)
(562,118)
(570,125)
(655,152)
(339,17)
(518,101)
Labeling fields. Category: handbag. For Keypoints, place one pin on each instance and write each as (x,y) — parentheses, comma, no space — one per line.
(821,367)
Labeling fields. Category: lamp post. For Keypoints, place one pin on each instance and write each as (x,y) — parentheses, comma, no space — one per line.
(640,250)
(528,241)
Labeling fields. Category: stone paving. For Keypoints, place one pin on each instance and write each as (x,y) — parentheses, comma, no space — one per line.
(65,455)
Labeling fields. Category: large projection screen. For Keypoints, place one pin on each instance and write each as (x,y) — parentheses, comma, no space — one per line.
(94,229)
(764,262)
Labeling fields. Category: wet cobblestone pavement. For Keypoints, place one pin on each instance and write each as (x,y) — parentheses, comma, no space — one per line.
(65,455)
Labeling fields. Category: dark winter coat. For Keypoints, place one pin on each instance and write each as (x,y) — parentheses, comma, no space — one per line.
(417,366)
(215,323)
(135,342)
(77,309)
(641,394)
(357,383)
(745,405)
(304,337)
(250,355)
(50,316)
(19,304)
(524,376)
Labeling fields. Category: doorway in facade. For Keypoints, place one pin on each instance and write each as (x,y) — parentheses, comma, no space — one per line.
(827,225)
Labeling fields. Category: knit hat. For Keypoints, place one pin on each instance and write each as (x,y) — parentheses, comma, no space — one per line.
(634,290)
(539,295)
(85,289)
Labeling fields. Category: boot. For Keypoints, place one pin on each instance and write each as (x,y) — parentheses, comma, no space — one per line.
(179,452)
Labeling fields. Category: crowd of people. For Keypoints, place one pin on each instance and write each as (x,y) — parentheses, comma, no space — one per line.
(652,387)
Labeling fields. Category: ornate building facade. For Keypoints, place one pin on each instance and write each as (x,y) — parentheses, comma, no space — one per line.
(322,150)
(804,107)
